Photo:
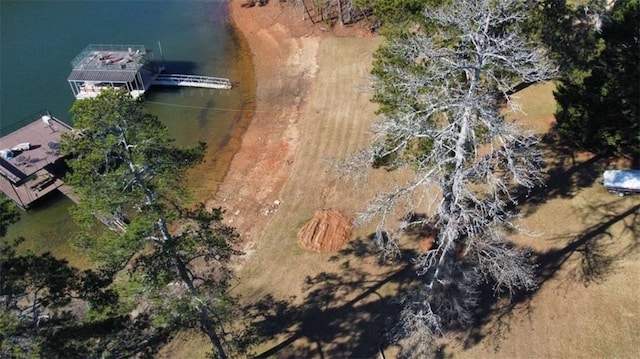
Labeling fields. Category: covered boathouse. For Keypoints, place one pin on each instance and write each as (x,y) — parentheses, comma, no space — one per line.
(112,66)
(31,165)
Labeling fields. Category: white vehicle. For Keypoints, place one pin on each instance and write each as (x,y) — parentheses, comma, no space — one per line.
(622,182)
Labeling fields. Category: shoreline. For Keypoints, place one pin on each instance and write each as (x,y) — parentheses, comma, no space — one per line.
(262,162)
(207,178)
(283,48)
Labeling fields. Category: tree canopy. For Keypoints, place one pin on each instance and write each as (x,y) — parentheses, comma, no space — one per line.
(599,96)
(46,303)
(125,169)
(441,85)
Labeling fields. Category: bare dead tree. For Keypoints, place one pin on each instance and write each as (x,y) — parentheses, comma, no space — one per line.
(442,89)
(345,12)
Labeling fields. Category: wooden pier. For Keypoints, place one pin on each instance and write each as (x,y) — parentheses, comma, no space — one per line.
(32,167)
(192,81)
(30,160)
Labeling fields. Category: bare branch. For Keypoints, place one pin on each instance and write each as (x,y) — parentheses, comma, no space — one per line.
(441,89)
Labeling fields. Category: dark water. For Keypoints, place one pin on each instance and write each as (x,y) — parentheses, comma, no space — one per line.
(38,40)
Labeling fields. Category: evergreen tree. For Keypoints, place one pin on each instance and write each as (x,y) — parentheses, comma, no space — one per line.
(124,167)
(45,303)
(598,104)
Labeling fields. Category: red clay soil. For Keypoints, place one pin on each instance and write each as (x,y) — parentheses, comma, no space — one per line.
(258,171)
(327,231)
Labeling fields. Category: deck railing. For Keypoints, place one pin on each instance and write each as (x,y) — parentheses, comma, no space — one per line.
(192,80)
(27,120)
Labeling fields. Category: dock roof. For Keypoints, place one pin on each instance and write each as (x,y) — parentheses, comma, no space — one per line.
(108,63)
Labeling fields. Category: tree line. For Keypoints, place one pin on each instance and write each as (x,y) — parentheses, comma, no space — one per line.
(594,42)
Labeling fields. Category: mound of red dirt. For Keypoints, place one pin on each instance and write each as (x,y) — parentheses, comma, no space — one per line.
(327,231)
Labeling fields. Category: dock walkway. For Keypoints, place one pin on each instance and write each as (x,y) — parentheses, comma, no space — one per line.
(192,81)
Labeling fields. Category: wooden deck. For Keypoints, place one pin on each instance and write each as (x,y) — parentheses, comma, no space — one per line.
(30,174)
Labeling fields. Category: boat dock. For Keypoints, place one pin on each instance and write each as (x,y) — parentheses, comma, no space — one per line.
(31,165)
(192,81)
(130,67)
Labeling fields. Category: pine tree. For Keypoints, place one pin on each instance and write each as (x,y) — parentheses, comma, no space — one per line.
(125,167)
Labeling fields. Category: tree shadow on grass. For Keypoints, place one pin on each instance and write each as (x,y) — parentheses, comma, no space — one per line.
(594,246)
(593,255)
(346,313)
(350,312)
(565,174)
(589,256)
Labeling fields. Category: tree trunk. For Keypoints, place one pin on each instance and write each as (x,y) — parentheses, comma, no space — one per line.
(205,320)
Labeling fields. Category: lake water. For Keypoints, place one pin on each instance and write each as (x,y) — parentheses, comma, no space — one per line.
(38,40)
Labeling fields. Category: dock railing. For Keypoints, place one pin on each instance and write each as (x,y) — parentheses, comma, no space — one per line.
(27,120)
(192,81)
